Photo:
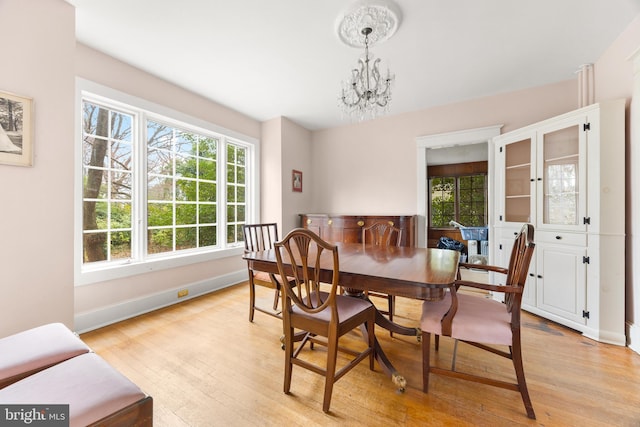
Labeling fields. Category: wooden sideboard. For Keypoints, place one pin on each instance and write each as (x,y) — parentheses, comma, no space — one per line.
(348,228)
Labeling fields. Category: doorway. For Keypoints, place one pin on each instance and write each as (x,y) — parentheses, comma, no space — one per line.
(459,144)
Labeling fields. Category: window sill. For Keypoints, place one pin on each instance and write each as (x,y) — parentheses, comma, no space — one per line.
(103,273)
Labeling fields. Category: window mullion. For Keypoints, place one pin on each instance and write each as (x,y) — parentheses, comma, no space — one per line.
(456,199)
(139,231)
(222,192)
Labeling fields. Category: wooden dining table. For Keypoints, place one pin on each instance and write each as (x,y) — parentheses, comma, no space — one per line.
(419,273)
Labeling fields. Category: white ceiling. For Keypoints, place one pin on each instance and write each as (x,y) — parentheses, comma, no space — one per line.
(283,58)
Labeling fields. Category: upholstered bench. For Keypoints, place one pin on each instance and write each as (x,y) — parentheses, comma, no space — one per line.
(96,393)
(33,350)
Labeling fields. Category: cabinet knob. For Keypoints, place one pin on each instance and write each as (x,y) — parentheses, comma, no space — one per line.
(390,223)
(361,223)
(532,179)
(531,274)
(539,276)
(539,179)
(309,221)
(558,237)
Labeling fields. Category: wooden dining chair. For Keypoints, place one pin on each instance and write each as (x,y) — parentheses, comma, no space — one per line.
(483,322)
(260,237)
(383,234)
(321,317)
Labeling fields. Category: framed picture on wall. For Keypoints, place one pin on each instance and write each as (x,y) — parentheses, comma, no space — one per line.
(16,140)
(296,179)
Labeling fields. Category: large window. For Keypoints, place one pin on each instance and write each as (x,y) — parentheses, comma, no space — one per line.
(157,188)
(458,194)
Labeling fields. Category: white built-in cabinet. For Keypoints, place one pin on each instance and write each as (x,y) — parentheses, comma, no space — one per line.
(566,176)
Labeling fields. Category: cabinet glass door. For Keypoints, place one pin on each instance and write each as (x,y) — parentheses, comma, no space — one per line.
(561,186)
(562,176)
(517,202)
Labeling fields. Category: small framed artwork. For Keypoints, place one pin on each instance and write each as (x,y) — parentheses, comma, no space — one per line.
(16,139)
(296,179)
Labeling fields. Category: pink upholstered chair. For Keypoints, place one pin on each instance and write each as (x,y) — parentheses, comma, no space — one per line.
(482,322)
(96,393)
(27,352)
(318,313)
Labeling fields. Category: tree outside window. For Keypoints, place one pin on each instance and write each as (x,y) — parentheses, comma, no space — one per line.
(458,198)
(175,187)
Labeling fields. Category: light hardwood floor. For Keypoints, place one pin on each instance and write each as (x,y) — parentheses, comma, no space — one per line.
(205,364)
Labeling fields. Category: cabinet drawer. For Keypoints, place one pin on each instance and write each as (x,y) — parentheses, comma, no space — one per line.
(346,222)
(561,237)
(315,220)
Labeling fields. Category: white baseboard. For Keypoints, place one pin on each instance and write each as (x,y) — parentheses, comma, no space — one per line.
(95,319)
(606,337)
(633,337)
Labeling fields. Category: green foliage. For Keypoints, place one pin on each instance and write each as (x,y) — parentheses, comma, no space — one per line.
(443,198)
(461,199)
(196,190)
(181,188)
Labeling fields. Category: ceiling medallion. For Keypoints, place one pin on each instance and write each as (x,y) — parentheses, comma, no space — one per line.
(382,16)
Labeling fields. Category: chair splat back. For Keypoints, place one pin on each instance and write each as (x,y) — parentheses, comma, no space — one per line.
(382,234)
(519,265)
(260,237)
(305,261)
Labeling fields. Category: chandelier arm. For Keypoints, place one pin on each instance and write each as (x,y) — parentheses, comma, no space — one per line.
(357,81)
(351,104)
(355,91)
(362,73)
(375,72)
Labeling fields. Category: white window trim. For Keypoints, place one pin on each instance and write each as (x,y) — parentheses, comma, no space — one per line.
(84,275)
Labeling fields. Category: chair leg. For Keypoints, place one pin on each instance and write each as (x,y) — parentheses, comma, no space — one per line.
(276,297)
(330,375)
(516,356)
(252,299)
(426,360)
(288,354)
(455,353)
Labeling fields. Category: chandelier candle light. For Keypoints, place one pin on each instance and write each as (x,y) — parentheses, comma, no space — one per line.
(367,94)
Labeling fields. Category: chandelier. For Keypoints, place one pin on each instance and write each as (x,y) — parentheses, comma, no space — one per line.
(367,92)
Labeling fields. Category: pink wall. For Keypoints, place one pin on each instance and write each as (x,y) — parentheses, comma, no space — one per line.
(297,154)
(284,146)
(271,172)
(614,79)
(371,167)
(108,71)
(36,210)
(613,72)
